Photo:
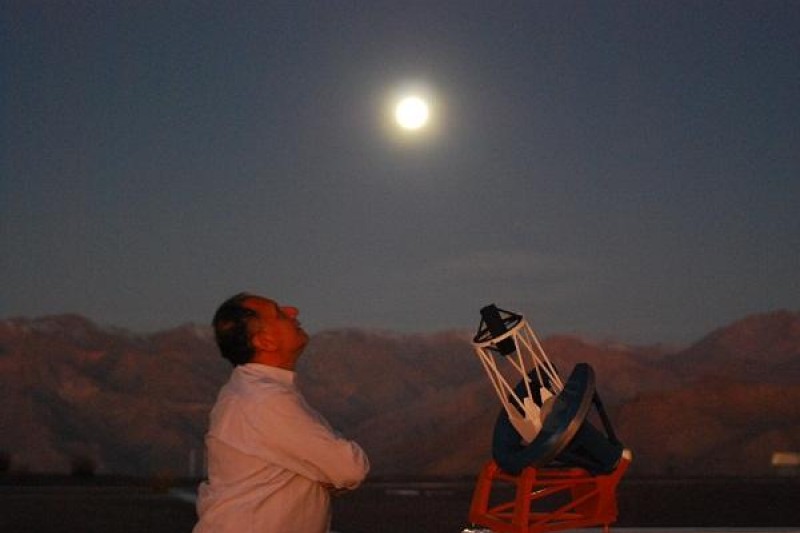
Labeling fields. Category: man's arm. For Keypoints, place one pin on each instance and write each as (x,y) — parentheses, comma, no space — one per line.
(291,433)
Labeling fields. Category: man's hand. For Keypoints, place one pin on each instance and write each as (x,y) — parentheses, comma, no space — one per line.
(333,490)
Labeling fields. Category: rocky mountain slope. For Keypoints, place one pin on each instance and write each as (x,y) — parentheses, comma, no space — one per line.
(419,404)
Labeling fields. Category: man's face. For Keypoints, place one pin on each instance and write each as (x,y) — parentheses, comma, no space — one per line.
(280,324)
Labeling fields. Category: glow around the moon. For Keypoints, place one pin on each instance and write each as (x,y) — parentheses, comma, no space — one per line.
(412,113)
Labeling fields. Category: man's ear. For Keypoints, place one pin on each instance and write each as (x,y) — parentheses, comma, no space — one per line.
(263,341)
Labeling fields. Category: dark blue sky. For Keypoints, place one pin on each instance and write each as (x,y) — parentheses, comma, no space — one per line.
(621,169)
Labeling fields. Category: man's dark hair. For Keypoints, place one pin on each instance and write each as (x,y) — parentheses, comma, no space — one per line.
(231,329)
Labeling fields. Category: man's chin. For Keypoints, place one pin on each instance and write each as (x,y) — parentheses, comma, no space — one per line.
(304,337)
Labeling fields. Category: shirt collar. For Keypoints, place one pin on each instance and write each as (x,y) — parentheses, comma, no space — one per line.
(274,373)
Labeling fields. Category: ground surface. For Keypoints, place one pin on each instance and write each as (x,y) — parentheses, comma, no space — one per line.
(87,507)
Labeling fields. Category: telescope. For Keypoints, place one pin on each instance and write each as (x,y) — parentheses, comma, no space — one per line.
(542,441)
(544,418)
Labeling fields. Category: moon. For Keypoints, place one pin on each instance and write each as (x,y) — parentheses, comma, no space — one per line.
(412,113)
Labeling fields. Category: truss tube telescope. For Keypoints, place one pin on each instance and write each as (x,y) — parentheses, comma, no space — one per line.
(511,353)
(564,470)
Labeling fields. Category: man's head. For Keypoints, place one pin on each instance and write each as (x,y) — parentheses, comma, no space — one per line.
(254,329)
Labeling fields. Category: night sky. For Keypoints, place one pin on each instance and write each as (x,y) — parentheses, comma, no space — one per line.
(625,170)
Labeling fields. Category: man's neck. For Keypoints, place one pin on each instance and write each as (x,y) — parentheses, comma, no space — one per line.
(286,362)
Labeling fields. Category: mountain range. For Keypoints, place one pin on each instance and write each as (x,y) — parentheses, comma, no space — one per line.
(421,405)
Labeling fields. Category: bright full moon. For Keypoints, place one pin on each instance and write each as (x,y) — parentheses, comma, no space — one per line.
(411,113)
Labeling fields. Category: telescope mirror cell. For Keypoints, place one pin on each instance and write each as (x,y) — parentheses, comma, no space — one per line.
(564,421)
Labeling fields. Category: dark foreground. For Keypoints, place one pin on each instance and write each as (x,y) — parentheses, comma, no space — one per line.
(110,506)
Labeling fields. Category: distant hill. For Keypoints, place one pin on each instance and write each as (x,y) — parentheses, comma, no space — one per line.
(420,404)
(759,348)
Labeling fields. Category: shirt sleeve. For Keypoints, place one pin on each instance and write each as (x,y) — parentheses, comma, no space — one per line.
(288,432)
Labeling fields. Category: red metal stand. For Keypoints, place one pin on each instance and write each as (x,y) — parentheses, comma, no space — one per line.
(546,499)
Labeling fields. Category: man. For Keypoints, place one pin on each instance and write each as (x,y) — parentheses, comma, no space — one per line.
(273,461)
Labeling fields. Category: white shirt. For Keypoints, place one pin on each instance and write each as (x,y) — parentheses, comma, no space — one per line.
(272,458)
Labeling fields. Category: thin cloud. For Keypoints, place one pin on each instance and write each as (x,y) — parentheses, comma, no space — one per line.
(503,264)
